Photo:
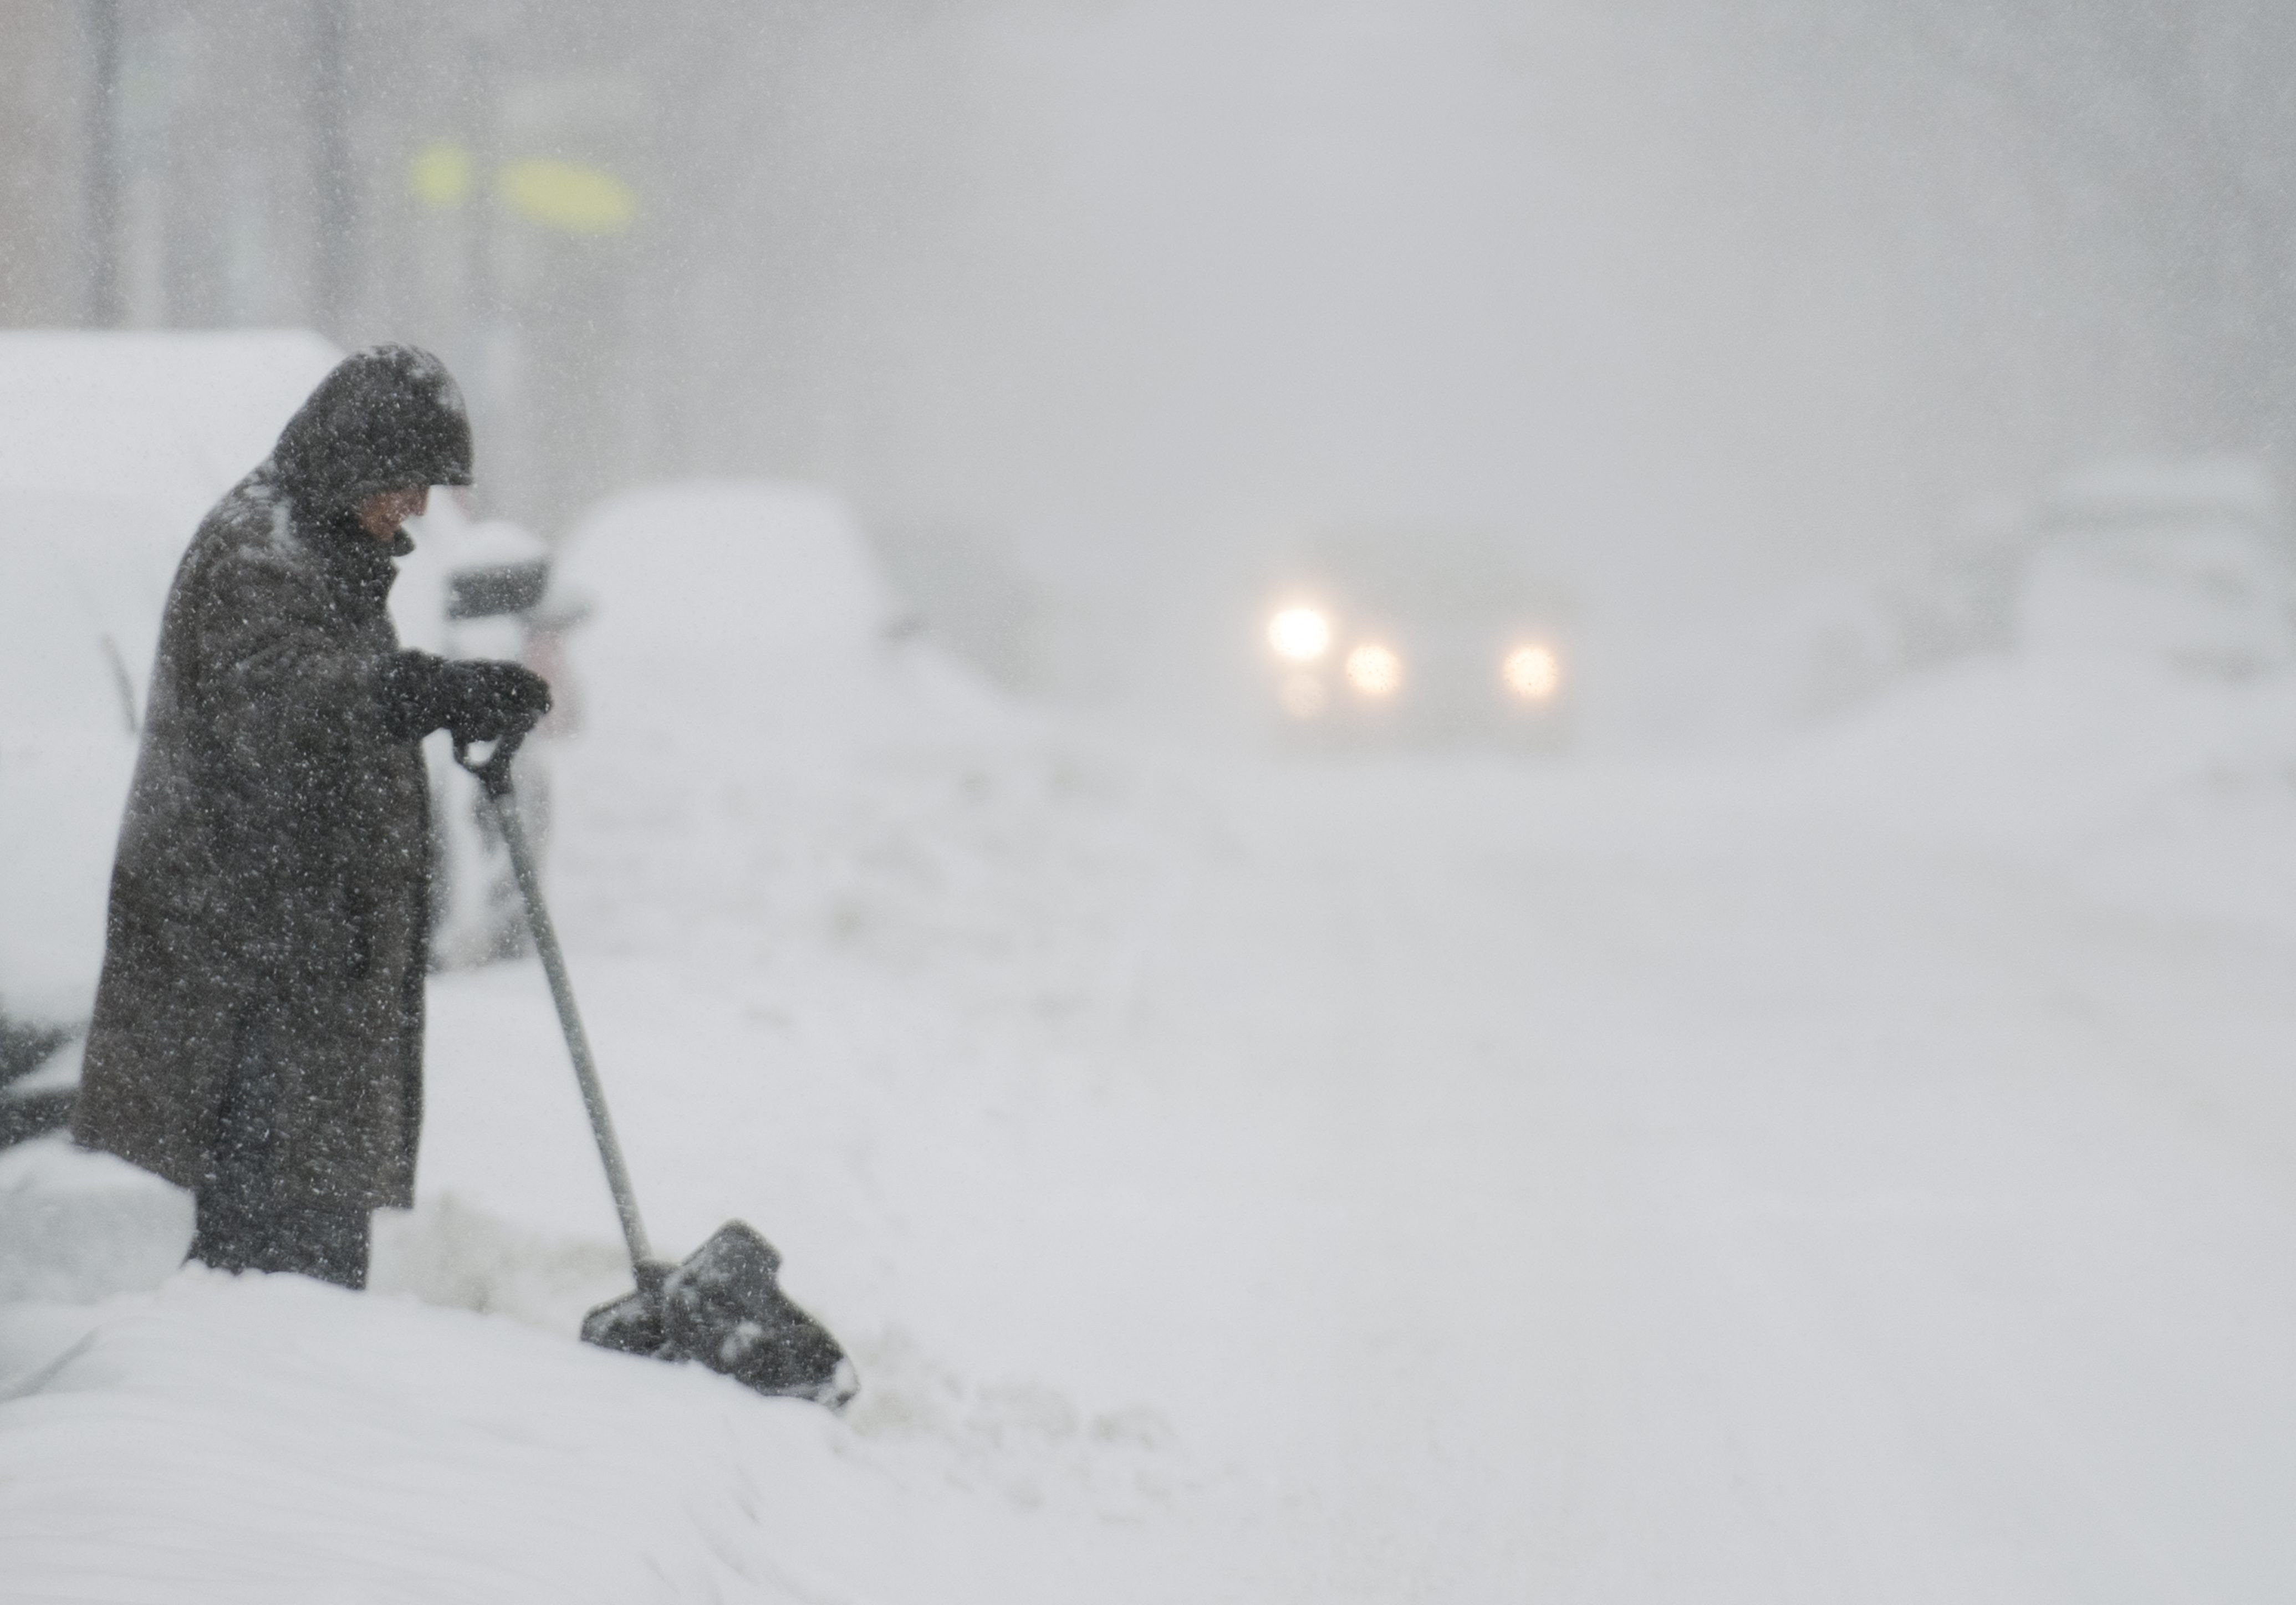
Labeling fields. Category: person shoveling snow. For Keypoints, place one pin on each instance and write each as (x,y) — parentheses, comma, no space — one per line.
(258,1032)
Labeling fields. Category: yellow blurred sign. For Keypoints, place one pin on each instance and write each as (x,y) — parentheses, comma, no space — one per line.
(441,175)
(563,195)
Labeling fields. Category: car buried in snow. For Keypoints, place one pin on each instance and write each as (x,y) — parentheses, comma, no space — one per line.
(1433,638)
(112,446)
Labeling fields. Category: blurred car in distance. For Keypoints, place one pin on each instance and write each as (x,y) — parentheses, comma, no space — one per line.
(1434,637)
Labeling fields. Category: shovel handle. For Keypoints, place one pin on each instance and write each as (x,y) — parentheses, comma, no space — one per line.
(493,771)
(495,783)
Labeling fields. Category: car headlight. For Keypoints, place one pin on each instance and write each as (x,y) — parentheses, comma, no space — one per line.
(1301,634)
(1374,670)
(1533,673)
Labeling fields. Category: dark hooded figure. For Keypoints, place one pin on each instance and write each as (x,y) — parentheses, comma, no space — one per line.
(257,1034)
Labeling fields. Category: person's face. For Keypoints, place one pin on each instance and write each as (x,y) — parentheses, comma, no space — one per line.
(382,513)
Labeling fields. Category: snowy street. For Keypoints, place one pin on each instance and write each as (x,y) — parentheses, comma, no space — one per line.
(1769,1218)
(1785,1220)
(1412,801)
(1768,1179)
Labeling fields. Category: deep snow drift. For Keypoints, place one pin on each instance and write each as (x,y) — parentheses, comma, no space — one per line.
(1857,1168)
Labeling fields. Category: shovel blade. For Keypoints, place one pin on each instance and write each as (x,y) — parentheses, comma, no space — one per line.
(724,1309)
(628,1326)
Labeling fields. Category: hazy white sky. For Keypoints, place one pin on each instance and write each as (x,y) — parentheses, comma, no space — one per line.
(1189,269)
(1692,297)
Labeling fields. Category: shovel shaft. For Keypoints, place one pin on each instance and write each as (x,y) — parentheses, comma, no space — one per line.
(505,804)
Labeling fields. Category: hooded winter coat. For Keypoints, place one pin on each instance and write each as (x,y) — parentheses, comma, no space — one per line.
(265,951)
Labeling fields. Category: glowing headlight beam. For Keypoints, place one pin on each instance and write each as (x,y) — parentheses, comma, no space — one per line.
(1301,634)
(1374,670)
(1533,673)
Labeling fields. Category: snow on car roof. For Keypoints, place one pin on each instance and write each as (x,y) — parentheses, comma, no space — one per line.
(112,446)
(723,601)
(168,420)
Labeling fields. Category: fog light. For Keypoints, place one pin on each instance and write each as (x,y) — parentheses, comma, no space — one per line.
(1301,634)
(1533,673)
(1374,670)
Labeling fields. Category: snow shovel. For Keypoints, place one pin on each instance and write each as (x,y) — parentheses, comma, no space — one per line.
(722,1307)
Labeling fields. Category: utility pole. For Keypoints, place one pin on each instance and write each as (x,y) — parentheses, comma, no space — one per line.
(100,181)
(336,213)
(495,379)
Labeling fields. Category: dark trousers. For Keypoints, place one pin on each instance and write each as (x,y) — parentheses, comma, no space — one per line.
(237,1232)
(243,1224)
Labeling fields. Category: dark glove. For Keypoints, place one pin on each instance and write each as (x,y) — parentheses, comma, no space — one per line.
(482,700)
(489,699)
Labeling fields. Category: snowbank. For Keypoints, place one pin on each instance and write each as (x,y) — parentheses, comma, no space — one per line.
(272,1439)
(77,1227)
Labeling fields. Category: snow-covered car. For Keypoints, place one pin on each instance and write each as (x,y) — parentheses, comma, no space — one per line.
(1437,636)
(112,448)
(80,584)
(2185,561)
(750,618)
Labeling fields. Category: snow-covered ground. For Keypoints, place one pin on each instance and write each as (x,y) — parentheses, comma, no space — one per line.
(1862,1168)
